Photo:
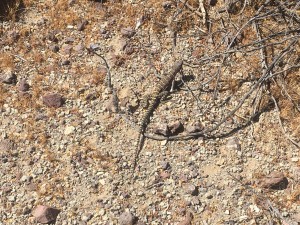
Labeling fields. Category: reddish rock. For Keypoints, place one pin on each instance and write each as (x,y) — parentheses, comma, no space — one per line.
(53,100)
(165,175)
(187,220)
(175,127)
(23,86)
(127,32)
(79,48)
(191,189)
(66,49)
(275,180)
(81,25)
(54,48)
(161,129)
(193,128)
(44,214)
(128,50)
(6,145)
(112,104)
(126,218)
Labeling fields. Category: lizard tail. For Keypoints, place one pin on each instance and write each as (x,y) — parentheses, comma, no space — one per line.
(139,146)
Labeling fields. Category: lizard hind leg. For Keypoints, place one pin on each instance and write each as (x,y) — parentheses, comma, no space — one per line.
(145,102)
(163,95)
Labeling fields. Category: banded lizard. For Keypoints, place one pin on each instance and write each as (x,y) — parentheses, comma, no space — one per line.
(158,94)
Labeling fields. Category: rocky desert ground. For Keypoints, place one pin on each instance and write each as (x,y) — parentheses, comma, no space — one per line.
(221,148)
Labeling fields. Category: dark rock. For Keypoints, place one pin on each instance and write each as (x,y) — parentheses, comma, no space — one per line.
(212,2)
(53,100)
(233,7)
(44,214)
(65,62)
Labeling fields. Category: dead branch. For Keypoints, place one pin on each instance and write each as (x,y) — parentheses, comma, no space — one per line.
(281,125)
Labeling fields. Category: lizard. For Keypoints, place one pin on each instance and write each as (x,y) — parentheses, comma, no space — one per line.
(159,93)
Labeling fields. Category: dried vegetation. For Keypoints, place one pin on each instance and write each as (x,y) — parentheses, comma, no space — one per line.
(246,56)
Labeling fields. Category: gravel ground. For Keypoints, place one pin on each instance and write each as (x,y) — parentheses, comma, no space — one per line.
(64,145)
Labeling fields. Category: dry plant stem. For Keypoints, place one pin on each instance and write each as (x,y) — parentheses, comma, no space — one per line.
(191,91)
(109,84)
(281,125)
(262,79)
(218,77)
(238,49)
(108,77)
(272,208)
(203,11)
(250,21)
(257,99)
(191,8)
(286,92)
(286,69)
(292,13)
(244,6)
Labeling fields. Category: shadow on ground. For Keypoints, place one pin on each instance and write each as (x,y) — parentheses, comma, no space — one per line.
(11,9)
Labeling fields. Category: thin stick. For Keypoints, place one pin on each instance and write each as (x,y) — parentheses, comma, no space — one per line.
(280,123)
